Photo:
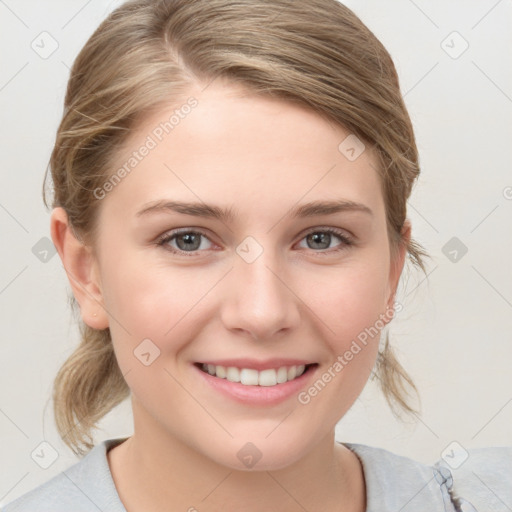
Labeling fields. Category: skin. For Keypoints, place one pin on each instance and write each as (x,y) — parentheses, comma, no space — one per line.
(262,157)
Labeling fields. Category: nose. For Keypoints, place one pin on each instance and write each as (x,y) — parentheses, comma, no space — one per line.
(260,299)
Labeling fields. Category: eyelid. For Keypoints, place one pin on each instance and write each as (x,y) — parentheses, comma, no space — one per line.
(169,235)
(346,237)
(338,231)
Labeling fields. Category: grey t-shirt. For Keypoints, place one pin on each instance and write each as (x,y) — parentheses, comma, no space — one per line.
(393,483)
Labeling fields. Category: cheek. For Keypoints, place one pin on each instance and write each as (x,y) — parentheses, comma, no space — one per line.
(163,304)
(174,306)
(349,302)
(352,313)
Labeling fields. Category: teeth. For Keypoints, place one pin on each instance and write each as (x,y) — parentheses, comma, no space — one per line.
(267,378)
(250,377)
(233,374)
(282,375)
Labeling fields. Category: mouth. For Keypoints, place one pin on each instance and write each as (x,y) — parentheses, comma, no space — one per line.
(269,377)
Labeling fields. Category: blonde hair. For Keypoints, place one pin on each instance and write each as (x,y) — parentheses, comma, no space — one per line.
(316,53)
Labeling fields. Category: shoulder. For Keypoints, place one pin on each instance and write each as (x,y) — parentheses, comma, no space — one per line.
(474,480)
(84,487)
(481,478)
(395,482)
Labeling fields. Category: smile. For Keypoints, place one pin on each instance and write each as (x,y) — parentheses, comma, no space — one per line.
(252,377)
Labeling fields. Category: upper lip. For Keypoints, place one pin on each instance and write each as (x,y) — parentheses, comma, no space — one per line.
(256,364)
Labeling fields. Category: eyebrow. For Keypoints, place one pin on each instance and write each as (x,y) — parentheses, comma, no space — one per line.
(311,209)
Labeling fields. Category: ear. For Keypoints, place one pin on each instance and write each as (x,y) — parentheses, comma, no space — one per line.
(81,268)
(397,264)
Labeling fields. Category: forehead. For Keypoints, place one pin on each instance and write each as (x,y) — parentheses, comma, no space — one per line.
(227,146)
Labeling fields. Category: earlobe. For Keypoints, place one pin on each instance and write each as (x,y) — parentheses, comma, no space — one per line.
(81,269)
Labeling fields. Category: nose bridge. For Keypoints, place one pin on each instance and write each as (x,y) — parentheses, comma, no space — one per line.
(259,302)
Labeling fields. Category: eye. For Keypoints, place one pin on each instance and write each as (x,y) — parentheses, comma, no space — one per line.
(322,238)
(191,241)
(186,241)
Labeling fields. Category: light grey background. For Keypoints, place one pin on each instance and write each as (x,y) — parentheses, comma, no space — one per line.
(454,334)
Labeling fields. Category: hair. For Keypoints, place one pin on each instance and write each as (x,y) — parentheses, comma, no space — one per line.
(146,53)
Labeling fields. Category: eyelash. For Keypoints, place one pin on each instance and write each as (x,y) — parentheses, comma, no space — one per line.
(167,237)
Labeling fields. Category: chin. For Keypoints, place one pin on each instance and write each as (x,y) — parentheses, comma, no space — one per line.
(260,454)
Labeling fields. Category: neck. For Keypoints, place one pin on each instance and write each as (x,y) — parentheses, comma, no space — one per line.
(153,469)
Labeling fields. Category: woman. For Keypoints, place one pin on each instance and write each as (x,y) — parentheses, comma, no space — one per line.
(230,187)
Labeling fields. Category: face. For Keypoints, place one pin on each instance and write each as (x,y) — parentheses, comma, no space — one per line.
(273,284)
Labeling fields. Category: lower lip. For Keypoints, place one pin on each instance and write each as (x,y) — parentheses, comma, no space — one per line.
(258,395)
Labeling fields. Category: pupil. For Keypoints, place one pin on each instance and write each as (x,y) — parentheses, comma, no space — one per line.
(317,239)
(189,239)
